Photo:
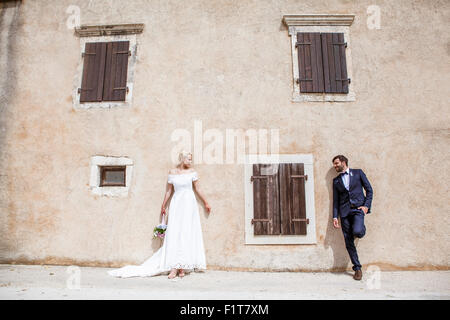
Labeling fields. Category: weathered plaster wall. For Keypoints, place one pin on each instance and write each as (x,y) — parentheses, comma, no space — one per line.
(10,23)
(228,64)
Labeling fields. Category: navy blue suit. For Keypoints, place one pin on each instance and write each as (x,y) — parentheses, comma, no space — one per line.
(345,205)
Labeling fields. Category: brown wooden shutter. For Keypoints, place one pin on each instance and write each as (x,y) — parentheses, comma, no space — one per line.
(309,48)
(266,217)
(115,86)
(292,198)
(93,70)
(334,63)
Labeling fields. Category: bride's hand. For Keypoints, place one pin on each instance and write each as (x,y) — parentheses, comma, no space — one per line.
(208,207)
(163,210)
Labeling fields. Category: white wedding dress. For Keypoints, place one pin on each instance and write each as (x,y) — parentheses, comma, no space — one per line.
(183,243)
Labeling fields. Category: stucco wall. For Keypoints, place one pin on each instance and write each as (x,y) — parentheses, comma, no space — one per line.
(227,64)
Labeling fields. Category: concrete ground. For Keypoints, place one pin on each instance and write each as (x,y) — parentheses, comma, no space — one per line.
(60,282)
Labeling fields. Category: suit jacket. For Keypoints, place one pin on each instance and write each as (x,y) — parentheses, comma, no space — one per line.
(344,199)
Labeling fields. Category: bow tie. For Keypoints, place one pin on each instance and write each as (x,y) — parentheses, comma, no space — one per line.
(343,173)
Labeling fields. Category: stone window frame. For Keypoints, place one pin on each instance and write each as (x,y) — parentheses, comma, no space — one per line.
(106,33)
(320,23)
(310,237)
(94,181)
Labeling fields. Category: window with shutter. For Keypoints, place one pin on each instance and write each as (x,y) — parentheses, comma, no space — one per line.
(105,71)
(322,62)
(279,199)
(116,71)
(321,57)
(310,62)
(292,198)
(266,219)
(93,72)
(105,79)
(334,61)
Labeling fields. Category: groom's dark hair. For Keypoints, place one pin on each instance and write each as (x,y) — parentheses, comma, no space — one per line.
(341,158)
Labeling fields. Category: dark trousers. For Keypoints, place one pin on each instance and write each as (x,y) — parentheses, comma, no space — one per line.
(353,226)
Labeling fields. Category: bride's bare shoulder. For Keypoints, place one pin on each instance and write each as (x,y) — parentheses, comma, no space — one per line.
(176,171)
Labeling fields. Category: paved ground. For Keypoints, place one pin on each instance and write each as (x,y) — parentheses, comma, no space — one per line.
(59,282)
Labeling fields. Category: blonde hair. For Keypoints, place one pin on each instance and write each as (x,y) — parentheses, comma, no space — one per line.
(182,155)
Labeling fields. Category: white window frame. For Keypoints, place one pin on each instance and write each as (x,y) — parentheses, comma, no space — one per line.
(95,175)
(307,160)
(320,23)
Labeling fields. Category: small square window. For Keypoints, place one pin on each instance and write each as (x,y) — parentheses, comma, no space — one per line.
(112,176)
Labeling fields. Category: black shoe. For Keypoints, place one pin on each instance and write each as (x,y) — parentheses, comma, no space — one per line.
(358,275)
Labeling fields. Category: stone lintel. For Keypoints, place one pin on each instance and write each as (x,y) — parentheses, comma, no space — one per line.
(292,20)
(108,30)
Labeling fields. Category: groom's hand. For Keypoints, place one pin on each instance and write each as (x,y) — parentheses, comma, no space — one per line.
(364,209)
(336,223)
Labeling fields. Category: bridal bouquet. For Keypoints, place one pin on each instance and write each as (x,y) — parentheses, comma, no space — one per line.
(160,230)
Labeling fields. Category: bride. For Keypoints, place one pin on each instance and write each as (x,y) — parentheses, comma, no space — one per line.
(182,248)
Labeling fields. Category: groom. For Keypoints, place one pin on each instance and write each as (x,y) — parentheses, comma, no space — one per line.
(350,203)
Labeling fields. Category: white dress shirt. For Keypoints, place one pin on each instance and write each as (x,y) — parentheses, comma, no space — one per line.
(346,178)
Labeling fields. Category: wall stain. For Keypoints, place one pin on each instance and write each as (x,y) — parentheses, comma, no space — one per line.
(58,261)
